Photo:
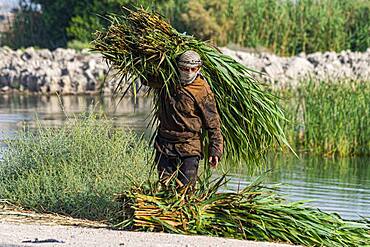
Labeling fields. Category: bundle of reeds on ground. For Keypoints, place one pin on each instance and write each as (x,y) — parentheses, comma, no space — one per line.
(255,213)
(142,45)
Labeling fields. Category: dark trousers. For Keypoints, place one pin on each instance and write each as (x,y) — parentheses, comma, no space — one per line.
(186,169)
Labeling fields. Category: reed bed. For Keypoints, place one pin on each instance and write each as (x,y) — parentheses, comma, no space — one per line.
(291,27)
(254,213)
(330,119)
(141,45)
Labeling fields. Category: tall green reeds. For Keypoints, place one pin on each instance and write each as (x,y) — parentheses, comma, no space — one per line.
(331,119)
(284,27)
(292,27)
(72,170)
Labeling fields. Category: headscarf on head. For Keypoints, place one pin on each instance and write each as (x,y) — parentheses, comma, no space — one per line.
(189,59)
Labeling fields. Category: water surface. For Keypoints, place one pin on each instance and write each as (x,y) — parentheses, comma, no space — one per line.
(334,185)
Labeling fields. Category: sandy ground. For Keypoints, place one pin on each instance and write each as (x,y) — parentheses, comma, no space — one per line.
(20,228)
(16,235)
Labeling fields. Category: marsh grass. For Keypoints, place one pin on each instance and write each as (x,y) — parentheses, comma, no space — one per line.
(291,27)
(73,170)
(330,119)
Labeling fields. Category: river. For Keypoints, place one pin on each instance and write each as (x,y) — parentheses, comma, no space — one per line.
(333,185)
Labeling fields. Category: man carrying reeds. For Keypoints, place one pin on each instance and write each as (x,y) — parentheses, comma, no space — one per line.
(184,114)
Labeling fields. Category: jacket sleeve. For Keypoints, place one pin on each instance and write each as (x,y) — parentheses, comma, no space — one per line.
(212,123)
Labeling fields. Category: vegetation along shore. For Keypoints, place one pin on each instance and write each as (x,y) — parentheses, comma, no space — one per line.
(89,169)
(329,119)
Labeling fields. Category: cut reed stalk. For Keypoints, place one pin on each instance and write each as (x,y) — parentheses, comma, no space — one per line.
(254,213)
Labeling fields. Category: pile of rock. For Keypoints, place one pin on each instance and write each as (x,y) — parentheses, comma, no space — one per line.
(289,71)
(67,71)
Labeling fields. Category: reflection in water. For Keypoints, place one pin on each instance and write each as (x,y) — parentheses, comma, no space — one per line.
(341,186)
(18,110)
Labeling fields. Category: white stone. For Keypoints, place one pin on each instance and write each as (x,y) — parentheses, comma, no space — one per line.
(298,67)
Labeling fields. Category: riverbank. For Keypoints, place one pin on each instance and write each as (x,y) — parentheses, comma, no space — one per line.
(12,234)
(67,71)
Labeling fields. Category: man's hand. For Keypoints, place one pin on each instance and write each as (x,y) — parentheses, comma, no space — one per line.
(213,160)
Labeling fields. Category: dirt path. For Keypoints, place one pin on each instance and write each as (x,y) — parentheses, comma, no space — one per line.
(15,235)
(20,228)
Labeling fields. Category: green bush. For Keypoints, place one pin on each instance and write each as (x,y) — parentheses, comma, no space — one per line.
(73,170)
(78,45)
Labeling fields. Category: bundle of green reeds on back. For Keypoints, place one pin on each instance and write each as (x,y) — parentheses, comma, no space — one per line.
(141,45)
(255,213)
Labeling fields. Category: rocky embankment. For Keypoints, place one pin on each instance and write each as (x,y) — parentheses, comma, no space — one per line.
(65,71)
(319,66)
(71,72)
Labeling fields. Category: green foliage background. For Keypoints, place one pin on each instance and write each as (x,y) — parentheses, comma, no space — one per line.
(284,27)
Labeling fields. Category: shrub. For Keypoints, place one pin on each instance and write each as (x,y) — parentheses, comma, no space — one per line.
(74,170)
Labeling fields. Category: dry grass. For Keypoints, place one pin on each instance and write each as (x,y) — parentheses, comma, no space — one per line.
(15,214)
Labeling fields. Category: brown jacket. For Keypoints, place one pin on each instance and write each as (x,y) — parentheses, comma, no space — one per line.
(183,115)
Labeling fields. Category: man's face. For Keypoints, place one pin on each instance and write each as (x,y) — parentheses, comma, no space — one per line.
(189,69)
(188,74)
